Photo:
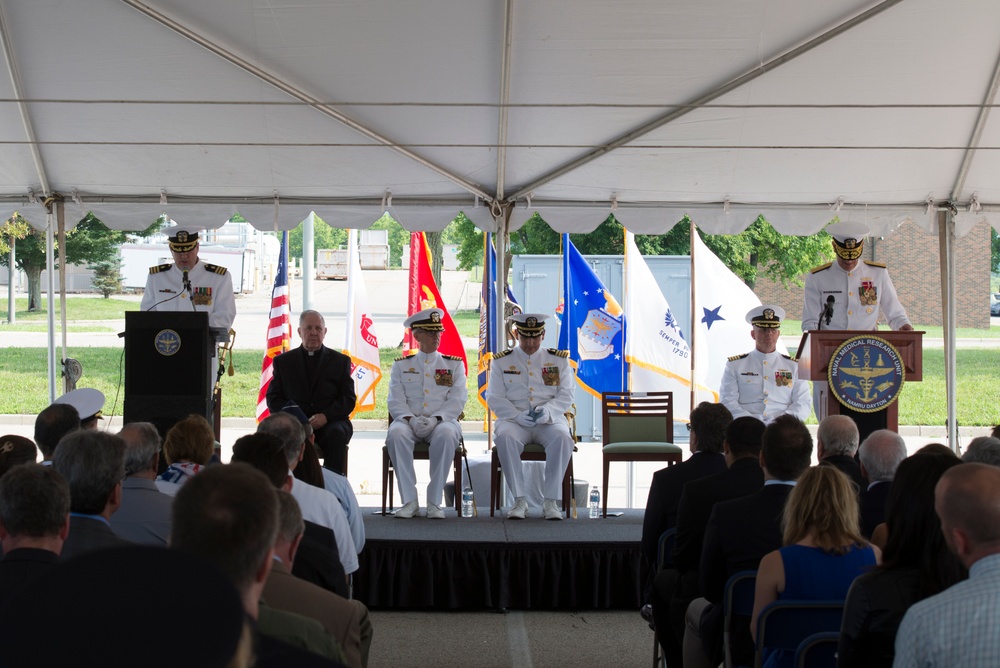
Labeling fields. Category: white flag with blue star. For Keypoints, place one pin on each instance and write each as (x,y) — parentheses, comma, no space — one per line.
(722,301)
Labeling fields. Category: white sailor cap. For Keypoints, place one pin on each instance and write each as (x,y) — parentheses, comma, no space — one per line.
(87,401)
(768,316)
(430,319)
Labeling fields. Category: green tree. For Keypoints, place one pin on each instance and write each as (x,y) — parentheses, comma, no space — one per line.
(994,251)
(107,276)
(324,236)
(90,243)
(13,228)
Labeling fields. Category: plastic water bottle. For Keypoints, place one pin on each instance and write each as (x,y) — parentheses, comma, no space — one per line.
(595,503)
(467,502)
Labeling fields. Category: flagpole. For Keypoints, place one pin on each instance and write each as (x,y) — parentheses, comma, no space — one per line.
(626,367)
(694,321)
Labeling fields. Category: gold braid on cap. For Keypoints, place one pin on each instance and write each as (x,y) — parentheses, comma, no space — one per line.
(851,249)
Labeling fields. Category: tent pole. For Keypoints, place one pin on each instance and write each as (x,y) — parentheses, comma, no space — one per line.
(50,303)
(946,237)
(308,253)
(694,319)
(61,232)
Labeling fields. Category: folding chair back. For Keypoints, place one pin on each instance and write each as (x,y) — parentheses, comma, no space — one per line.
(783,625)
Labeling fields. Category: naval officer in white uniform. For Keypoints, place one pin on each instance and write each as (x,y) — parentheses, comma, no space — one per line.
(764,383)
(530,391)
(427,393)
(850,293)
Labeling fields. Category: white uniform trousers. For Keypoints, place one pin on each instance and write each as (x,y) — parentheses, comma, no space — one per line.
(554,438)
(443,441)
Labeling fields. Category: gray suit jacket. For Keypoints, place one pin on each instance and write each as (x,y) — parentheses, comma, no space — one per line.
(87,534)
(144,516)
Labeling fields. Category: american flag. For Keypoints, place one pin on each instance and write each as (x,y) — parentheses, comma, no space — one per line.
(279,327)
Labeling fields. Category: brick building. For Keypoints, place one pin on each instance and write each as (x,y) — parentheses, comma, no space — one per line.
(911,254)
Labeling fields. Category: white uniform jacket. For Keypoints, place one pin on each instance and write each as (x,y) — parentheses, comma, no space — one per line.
(858,296)
(520,383)
(427,384)
(764,386)
(211,284)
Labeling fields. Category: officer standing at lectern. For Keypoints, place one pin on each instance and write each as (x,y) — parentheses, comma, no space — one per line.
(175,287)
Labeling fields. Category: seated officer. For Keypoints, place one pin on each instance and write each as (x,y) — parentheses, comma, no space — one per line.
(530,391)
(427,393)
(88,402)
(764,383)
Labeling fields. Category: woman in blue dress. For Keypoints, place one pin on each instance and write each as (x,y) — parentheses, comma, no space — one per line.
(823,552)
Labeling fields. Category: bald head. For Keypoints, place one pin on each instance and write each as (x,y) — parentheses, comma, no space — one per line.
(881,454)
(967,499)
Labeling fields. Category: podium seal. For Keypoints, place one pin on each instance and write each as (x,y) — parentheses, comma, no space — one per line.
(866,374)
(167,342)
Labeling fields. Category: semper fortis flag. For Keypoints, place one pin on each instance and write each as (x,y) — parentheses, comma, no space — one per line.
(360,343)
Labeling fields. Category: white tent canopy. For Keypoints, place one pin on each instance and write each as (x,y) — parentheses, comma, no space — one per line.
(720,109)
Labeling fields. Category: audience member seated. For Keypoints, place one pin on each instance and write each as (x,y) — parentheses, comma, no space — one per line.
(34,522)
(188,449)
(744,476)
(739,533)
(311,472)
(347,621)
(144,516)
(228,515)
(317,560)
(880,455)
(15,450)
(708,432)
(101,610)
(984,450)
(959,626)
(823,553)
(836,444)
(88,402)
(54,422)
(93,464)
(317,504)
(916,563)
(996,432)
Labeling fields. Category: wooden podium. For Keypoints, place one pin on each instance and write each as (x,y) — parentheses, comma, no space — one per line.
(817,347)
(168,367)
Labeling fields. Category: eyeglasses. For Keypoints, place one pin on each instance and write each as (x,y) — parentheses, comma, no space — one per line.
(688,425)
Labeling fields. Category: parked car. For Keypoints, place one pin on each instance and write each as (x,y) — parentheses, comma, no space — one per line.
(995,303)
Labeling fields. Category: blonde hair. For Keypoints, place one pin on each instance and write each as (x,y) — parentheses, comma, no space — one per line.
(190,440)
(823,506)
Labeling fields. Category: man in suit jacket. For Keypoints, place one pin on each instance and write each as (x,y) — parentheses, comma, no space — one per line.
(34,523)
(93,463)
(708,425)
(144,516)
(836,445)
(318,380)
(880,454)
(347,621)
(739,533)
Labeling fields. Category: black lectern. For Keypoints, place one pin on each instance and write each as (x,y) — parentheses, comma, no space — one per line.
(168,358)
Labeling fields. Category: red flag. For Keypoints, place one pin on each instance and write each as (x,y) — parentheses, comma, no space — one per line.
(423,295)
(279,327)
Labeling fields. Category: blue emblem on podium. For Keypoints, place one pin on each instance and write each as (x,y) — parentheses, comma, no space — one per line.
(866,374)
(167,342)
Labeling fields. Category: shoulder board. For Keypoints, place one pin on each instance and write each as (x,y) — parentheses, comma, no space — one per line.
(820,268)
(454,358)
(875,264)
(215,269)
(788,357)
(404,357)
(160,267)
(503,354)
(559,353)
(738,357)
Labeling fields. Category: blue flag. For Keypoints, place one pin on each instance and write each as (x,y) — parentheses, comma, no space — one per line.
(487,315)
(592,329)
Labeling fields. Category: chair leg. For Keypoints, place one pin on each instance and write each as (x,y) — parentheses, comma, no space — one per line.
(494,483)
(458,481)
(567,488)
(604,498)
(656,650)
(385,478)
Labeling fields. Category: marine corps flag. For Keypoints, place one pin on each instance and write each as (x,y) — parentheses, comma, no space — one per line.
(279,327)
(423,295)
(360,343)
(592,327)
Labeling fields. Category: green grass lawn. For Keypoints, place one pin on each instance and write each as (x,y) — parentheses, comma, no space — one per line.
(77,308)
(23,386)
(794,328)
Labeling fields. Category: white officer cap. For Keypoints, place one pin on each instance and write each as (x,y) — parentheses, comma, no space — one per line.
(768,316)
(430,319)
(87,401)
(184,238)
(529,324)
(848,238)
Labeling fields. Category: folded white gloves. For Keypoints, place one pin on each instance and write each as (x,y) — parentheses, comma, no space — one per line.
(423,426)
(543,415)
(525,419)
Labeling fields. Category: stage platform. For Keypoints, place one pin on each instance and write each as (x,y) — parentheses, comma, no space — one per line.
(493,563)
